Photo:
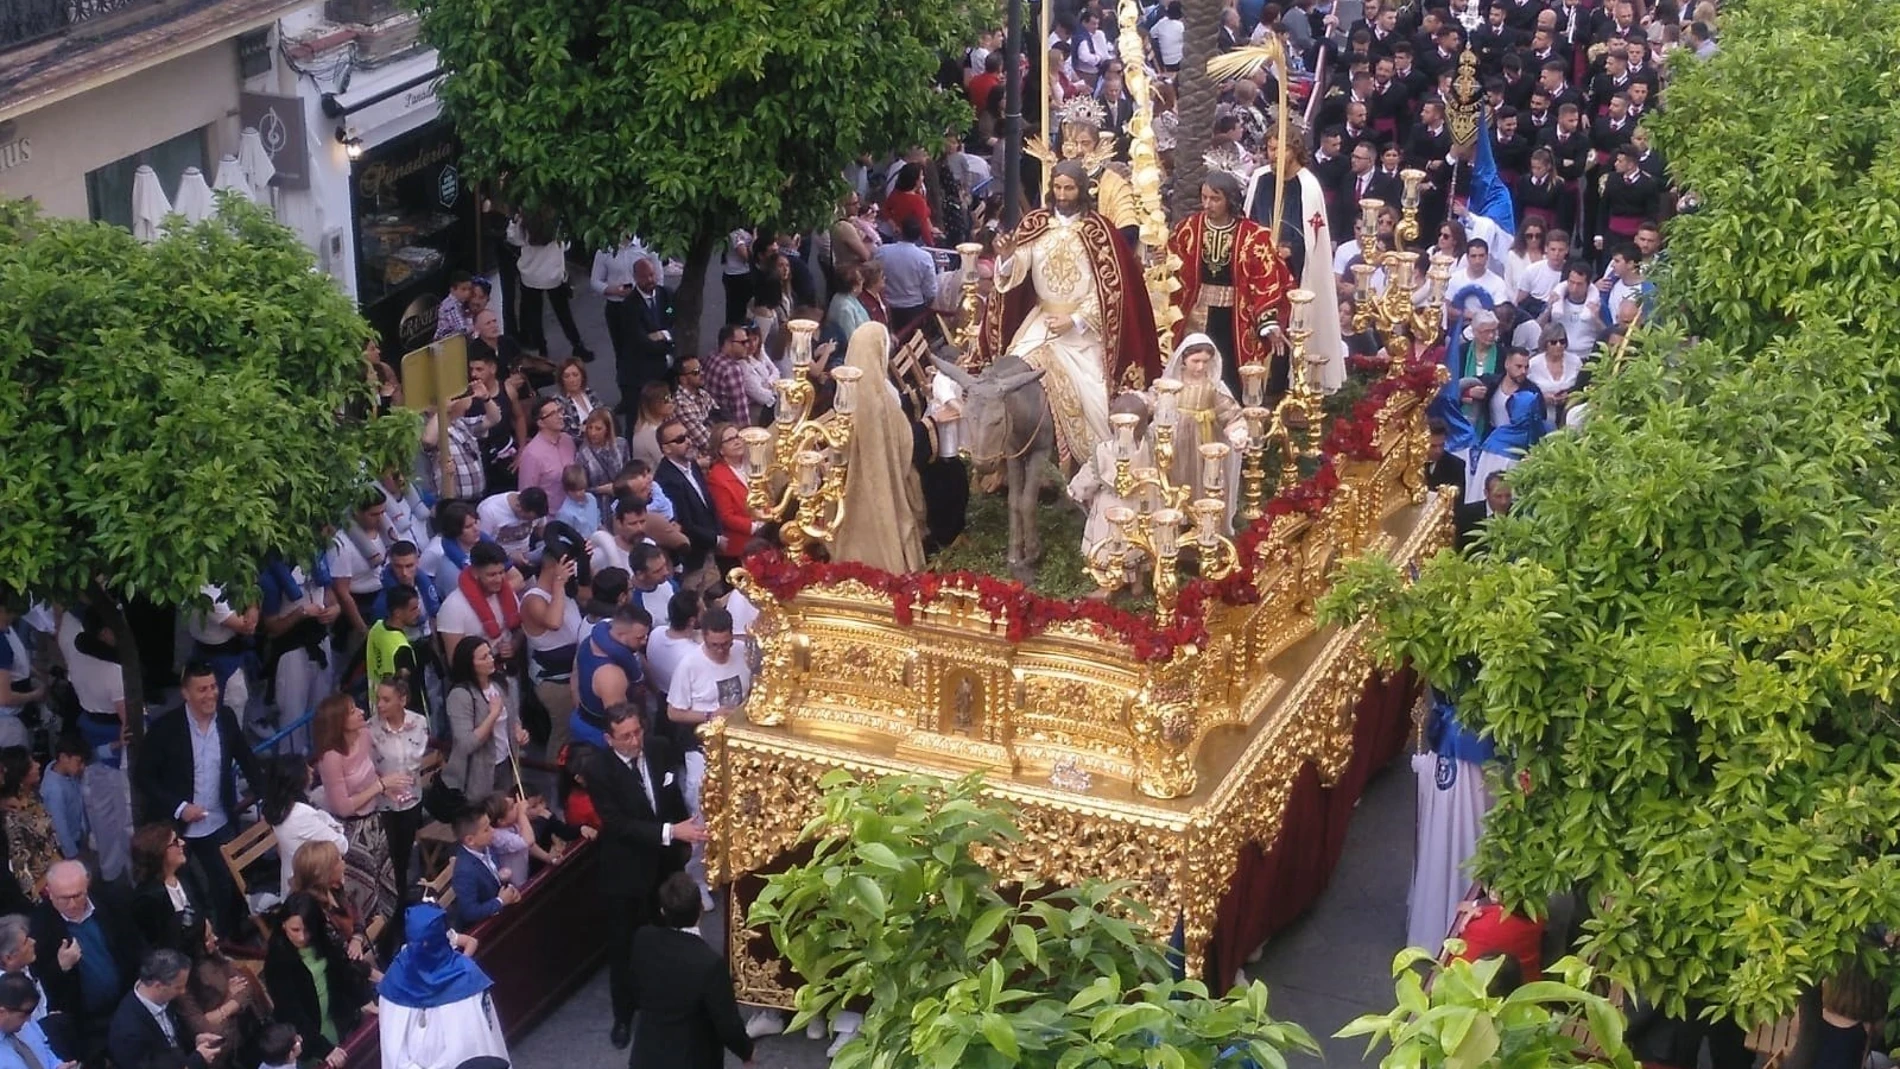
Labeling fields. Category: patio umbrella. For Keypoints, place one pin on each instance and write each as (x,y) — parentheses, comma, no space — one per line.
(149,206)
(256,164)
(231,177)
(194,197)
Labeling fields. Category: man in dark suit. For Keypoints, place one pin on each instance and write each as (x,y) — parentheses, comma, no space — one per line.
(686,488)
(1468,517)
(645,836)
(1442,466)
(146,1025)
(186,776)
(91,954)
(688,1018)
(650,346)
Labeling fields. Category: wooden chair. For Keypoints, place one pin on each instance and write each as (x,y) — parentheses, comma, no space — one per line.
(435,841)
(440,888)
(1775,1040)
(250,846)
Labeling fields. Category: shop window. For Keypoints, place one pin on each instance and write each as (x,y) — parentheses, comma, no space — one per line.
(109,189)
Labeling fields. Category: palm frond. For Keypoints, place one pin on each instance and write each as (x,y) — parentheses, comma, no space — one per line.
(1246,60)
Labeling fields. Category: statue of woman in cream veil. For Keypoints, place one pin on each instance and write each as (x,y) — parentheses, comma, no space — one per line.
(883,500)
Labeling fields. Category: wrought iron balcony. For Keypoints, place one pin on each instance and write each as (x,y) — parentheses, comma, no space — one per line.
(25,21)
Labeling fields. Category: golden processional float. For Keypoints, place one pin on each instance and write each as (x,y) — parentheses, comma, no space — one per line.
(1156,749)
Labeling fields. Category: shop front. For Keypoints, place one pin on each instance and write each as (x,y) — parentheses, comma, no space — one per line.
(414,223)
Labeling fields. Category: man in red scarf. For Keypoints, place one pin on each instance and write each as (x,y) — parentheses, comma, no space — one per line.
(483,603)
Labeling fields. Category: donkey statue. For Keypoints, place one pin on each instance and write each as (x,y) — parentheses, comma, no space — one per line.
(1006,419)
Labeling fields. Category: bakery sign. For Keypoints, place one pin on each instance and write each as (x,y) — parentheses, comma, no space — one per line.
(379,180)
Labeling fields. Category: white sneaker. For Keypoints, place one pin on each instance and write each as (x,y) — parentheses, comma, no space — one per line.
(838,1041)
(815,1028)
(765,1023)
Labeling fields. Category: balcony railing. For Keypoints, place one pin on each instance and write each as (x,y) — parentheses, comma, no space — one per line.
(24,21)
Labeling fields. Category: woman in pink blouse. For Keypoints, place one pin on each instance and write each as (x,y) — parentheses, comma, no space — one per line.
(354,793)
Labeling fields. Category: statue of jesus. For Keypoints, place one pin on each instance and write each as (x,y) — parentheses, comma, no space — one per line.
(1089,326)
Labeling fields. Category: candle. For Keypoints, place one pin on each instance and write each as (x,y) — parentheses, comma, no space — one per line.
(802,331)
(1167,400)
(1253,384)
(808,466)
(1412,177)
(1302,301)
(967,252)
(1362,280)
(1256,418)
(1147,482)
(1208,513)
(1165,532)
(845,401)
(1124,427)
(789,409)
(1214,468)
(758,451)
(1369,220)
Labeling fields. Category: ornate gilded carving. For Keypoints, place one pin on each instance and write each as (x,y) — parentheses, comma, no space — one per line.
(1188,760)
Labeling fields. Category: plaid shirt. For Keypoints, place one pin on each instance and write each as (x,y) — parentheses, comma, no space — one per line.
(452,318)
(725,380)
(694,407)
(465,462)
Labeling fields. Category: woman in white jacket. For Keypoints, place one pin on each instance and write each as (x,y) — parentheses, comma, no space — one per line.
(543,268)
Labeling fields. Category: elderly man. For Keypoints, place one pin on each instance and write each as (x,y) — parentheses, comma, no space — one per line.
(91,955)
(146,1026)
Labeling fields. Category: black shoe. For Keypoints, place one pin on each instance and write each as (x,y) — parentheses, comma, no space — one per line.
(621,1035)
(584,354)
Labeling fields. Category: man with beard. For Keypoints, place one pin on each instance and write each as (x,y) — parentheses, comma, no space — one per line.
(1306,241)
(1233,284)
(1089,325)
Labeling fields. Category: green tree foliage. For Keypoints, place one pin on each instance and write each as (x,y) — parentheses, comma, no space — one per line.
(895,905)
(1684,636)
(172,409)
(1449,1019)
(679,120)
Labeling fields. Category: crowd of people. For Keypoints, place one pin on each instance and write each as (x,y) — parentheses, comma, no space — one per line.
(517,638)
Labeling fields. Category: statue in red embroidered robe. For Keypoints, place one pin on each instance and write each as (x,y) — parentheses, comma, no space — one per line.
(1233,282)
(1073,305)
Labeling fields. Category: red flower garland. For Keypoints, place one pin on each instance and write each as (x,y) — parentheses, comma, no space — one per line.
(1024,613)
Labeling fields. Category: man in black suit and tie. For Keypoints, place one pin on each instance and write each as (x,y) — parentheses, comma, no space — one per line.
(186,776)
(650,348)
(146,1024)
(645,836)
(688,1018)
(686,488)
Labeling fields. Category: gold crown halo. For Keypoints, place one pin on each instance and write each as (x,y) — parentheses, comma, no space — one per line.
(1083,111)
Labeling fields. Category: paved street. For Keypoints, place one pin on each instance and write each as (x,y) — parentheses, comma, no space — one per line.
(1332,965)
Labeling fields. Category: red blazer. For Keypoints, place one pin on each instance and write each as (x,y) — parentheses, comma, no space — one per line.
(899,206)
(729,507)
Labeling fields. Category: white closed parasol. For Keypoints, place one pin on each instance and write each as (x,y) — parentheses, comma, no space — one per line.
(230,177)
(149,206)
(195,202)
(256,164)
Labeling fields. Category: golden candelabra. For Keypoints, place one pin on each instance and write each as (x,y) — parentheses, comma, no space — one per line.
(1150,526)
(969,326)
(805,455)
(1387,299)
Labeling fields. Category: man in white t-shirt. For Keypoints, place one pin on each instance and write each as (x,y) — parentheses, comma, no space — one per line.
(650,572)
(669,646)
(1540,278)
(512,518)
(355,562)
(612,545)
(1576,306)
(459,618)
(711,681)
